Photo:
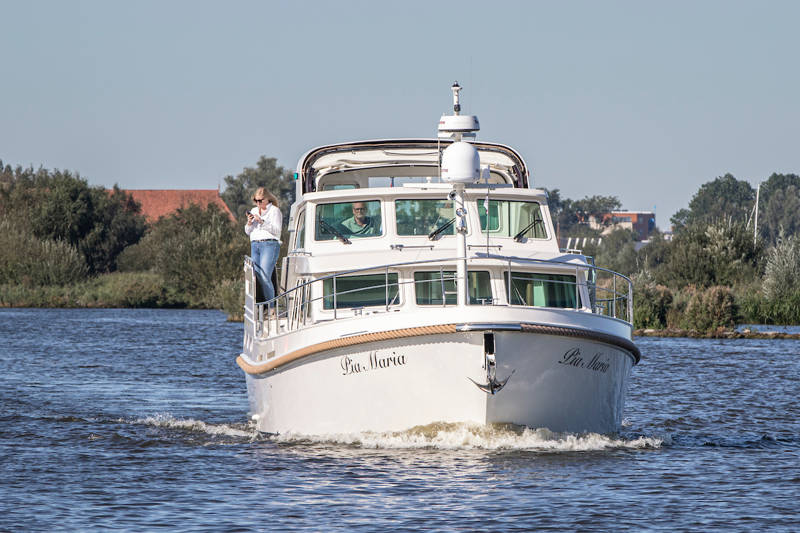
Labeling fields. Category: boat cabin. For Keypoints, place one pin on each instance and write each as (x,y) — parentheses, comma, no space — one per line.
(384,202)
(383,226)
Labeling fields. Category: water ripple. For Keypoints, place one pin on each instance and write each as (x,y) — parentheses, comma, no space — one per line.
(137,420)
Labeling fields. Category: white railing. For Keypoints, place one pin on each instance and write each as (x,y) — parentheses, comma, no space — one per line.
(609,293)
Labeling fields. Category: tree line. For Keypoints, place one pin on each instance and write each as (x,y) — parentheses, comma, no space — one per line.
(65,243)
(719,268)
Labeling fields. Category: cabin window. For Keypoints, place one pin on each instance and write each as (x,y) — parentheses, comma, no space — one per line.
(507,218)
(339,186)
(399,181)
(348,220)
(423,217)
(300,236)
(361,291)
(432,288)
(542,290)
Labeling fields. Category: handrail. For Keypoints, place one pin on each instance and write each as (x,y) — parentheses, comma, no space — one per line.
(603,296)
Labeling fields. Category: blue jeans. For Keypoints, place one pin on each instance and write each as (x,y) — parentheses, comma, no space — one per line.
(265,255)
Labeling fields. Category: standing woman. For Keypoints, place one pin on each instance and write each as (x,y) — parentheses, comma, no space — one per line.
(264,224)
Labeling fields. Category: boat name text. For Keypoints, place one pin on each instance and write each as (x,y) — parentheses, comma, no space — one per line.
(376,361)
(598,363)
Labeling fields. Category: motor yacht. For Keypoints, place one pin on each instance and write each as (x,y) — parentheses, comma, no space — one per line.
(424,283)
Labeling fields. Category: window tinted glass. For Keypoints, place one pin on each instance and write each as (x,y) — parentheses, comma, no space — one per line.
(509,218)
(360,291)
(349,219)
(300,240)
(541,290)
(422,217)
(432,287)
(339,187)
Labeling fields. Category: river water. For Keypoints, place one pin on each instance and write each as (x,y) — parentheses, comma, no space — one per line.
(137,420)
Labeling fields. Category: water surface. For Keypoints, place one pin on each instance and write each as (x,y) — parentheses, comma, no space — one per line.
(137,420)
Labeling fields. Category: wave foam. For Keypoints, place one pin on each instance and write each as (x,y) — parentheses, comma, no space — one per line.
(190,424)
(465,436)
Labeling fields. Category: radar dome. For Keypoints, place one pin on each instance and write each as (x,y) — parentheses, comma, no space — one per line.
(461,163)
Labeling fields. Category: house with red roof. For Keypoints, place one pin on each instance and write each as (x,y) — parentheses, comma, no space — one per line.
(641,223)
(157,203)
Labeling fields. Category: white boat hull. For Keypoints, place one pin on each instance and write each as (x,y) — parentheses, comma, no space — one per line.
(563,383)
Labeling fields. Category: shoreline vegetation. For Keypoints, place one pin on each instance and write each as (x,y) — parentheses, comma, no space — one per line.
(720,333)
(64,244)
(124,290)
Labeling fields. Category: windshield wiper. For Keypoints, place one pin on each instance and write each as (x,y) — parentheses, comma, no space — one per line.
(432,235)
(518,236)
(330,229)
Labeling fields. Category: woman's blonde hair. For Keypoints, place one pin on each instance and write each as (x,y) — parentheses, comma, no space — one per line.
(264,193)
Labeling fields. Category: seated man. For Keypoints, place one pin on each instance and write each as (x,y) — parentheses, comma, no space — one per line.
(361,224)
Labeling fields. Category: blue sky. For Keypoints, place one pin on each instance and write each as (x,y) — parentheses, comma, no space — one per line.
(642,100)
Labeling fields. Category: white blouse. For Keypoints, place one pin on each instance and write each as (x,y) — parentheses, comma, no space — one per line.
(269,227)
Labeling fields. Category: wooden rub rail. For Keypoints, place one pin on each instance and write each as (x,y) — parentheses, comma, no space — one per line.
(364,338)
(619,342)
(342,342)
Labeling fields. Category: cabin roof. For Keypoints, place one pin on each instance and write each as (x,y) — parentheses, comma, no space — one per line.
(409,153)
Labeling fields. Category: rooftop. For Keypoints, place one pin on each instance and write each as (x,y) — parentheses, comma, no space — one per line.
(157,203)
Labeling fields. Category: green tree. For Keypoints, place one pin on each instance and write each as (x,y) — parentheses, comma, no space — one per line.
(651,303)
(723,198)
(782,272)
(60,206)
(117,224)
(779,206)
(654,254)
(595,207)
(29,261)
(722,253)
(616,251)
(194,250)
(571,217)
(238,193)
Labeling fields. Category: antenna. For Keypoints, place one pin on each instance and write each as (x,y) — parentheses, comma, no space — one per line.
(458,126)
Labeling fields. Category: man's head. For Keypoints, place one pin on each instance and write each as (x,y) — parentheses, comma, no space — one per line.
(360,213)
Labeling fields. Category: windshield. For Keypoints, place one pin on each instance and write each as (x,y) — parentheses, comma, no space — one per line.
(422,217)
(352,220)
(509,218)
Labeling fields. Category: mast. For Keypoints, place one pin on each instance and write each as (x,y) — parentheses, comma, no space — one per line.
(755,226)
(460,164)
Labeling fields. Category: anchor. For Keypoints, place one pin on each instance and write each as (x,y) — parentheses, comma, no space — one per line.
(492,385)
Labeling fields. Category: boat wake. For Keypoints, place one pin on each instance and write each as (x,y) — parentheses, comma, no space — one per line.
(239,432)
(451,436)
(447,436)
(441,436)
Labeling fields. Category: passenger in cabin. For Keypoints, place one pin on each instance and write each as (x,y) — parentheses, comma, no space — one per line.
(264,224)
(361,224)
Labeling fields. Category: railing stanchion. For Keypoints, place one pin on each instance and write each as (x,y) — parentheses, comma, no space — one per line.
(386,287)
(614,301)
(441,282)
(630,302)
(303,306)
(334,296)
(577,290)
(509,282)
